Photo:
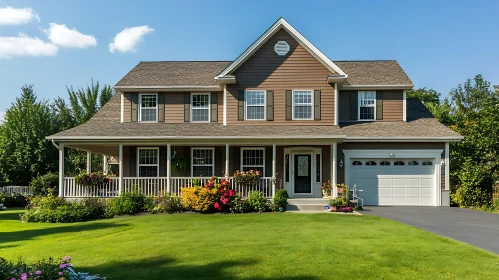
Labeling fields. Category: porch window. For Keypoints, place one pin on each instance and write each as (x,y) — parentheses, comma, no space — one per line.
(255,104)
(202,162)
(148,104)
(200,107)
(367,105)
(148,162)
(303,105)
(253,159)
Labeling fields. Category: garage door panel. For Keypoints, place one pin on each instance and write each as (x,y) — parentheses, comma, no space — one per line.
(413,181)
(385,190)
(426,200)
(427,181)
(427,191)
(399,181)
(415,200)
(399,200)
(413,191)
(398,191)
(385,181)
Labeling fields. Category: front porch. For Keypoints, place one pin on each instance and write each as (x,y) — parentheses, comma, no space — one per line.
(167,168)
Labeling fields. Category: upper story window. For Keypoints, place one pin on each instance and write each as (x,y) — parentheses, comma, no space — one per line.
(200,107)
(148,104)
(253,159)
(367,105)
(303,106)
(148,162)
(255,104)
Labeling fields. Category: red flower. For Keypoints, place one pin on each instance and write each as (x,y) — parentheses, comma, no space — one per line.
(217,206)
(92,175)
(210,184)
(226,193)
(225,200)
(231,192)
(212,179)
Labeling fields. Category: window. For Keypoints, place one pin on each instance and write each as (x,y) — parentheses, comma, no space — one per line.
(148,104)
(384,162)
(367,105)
(148,162)
(413,162)
(398,162)
(202,162)
(303,105)
(371,162)
(255,104)
(253,159)
(356,162)
(427,162)
(200,107)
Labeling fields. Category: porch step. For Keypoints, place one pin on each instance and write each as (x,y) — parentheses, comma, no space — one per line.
(315,204)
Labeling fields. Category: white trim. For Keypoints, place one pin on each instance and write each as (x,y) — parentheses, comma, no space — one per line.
(138,160)
(120,160)
(274,173)
(140,108)
(61,170)
(312,98)
(253,148)
(434,154)
(373,87)
(336,104)
(198,137)
(289,186)
(225,106)
(278,25)
(359,105)
(264,104)
(447,166)
(404,104)
(227,167)
(334,169)
(168,167)
(89,162)
(122,107)
(192,106)
(212,164)
(169,88)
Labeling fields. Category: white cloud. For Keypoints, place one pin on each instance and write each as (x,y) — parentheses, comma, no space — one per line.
(9,15)
(126,40)
(23,45)
(2,117)
(61,35)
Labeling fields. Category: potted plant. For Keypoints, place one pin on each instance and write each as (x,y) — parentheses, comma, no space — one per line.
(251,177)
(340,187)
(326,189)
(335,203)
(281,199)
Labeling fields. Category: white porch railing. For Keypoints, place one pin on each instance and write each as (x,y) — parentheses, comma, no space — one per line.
(16,189)
(153,186)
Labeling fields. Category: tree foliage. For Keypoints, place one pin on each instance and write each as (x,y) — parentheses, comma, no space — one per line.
(427,96)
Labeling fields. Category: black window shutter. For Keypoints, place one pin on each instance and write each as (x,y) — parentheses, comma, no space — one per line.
(289,105)
(270,105)
(354,105)
(379,105)
(214,107)
(161,107)
(187,107)
(240,105)
(135,105)
(317,105)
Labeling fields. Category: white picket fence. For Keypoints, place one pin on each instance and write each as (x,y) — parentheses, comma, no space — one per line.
(16,189)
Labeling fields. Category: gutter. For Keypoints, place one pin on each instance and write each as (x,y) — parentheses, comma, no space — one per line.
(55,145)
(400,86)
(405,139)
(310,137)
(168,88)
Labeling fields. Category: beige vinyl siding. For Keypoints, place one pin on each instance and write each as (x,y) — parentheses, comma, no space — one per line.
(393,109)
(127,108)
(174,107)
(220,103)
(267,71)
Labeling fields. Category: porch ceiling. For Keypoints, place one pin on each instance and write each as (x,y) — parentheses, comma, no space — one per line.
(108,150)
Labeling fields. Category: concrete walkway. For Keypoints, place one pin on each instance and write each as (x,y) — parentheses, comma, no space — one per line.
(477,228)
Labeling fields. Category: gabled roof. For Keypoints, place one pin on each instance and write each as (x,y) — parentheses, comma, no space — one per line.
(374,72)
(281,23)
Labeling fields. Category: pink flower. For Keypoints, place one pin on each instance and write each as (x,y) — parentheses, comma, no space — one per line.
(212,179)
(38,272)
(225,201)
(60,273)
(217,206)
(231,192)
(92,175)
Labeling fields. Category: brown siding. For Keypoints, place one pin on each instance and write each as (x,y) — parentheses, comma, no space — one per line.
(220,101)
(393,105)
(174,107)
(127,115)
(297,70)
(379,146)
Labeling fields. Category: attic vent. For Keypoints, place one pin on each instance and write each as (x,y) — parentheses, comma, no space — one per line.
(281,48)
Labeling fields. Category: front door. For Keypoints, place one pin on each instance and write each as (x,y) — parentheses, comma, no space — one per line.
(302,178)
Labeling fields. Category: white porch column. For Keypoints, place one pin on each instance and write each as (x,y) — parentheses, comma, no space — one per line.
(120,180)
(227,161)
(89,162)
(447,167)
(104,164)
(334,169)
(273,169)
(61,170)
(168,167)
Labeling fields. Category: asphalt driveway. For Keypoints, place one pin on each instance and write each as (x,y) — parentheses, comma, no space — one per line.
(477,228)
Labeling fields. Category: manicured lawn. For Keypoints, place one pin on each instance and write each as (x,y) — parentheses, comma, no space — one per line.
(248,246)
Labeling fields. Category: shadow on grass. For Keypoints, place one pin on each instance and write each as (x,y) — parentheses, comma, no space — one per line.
(166,268)
(14,216)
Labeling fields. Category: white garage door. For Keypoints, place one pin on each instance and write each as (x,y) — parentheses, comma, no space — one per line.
(394,181)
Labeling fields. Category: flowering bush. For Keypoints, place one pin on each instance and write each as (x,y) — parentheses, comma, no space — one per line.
(92,179)
(2,207)
(43,269)
(347,209)
(247,177)
(326,186)
(166,203)
(215,196)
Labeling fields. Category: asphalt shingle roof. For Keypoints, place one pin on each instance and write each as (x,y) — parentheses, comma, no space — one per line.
(374,72)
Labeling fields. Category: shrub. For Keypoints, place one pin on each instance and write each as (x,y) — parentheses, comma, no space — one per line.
(42,185)
(199,199)
(131,203)
(239,205)
(281,198)
(55,210)
(2,207)
(257,202)
(13,199)
(165,203)
(471,197)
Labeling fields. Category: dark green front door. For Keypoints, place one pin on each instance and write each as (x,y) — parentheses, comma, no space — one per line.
(302,173)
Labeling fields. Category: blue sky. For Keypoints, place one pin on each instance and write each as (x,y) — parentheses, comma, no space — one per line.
(438,43)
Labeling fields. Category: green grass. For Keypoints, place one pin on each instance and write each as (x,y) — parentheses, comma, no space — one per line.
(248,246)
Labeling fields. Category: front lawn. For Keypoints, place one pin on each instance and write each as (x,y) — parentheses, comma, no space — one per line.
(247,246)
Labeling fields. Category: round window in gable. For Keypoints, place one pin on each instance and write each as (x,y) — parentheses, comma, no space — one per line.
(281,48)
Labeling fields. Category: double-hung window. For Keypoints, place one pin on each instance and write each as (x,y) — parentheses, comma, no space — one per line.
(255,104)
(253,159)
(303,107)
(367,105)
(148,104)
(148,162)
(200,107)
(203,162)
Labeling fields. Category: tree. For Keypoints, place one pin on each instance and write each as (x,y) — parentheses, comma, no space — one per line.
(427,96)
(24,151)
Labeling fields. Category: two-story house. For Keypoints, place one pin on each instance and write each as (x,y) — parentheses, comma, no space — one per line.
(281,107)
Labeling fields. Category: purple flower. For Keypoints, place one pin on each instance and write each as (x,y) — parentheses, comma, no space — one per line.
(67,258)
(38,272)
(13,279)
(60,273)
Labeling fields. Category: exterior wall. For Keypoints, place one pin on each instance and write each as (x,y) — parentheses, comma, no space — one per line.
(127,115)
(266,70)
(393,103)
(381,146)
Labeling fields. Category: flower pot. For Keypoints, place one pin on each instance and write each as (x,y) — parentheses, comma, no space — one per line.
(325,194)
(334,208)
(282,209)
(340,190)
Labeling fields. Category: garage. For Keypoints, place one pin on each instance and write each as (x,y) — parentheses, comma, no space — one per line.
(394,180)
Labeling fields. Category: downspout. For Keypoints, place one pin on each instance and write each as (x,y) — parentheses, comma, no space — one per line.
(55,145)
